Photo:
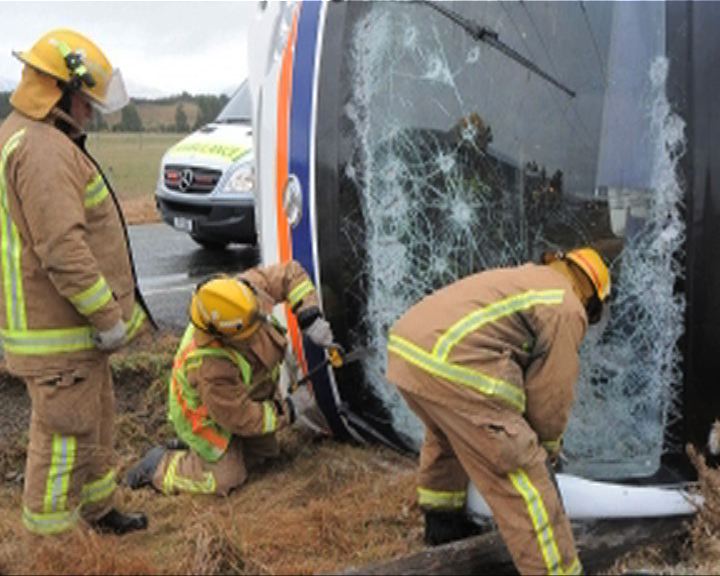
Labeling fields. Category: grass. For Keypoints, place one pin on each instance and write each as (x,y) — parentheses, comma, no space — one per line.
(131,161)
(132,164)
(319,507)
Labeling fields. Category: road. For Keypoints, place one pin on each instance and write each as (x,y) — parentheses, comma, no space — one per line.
(169,265)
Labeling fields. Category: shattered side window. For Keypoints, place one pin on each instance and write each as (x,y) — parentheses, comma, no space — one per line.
(466,159)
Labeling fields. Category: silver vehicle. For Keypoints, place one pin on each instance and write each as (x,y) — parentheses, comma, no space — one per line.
(206,184)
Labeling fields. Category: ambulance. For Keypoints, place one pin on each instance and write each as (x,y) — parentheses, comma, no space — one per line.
(206,185)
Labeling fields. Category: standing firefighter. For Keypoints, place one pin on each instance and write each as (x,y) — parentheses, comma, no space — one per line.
(489,364)
(69,295)
(224,400)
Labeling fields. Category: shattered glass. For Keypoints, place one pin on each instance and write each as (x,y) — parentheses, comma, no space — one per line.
(466,160)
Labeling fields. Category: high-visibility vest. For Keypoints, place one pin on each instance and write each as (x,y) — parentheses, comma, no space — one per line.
(186,411)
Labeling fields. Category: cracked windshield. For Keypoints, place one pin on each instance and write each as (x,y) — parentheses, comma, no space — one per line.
(520,145)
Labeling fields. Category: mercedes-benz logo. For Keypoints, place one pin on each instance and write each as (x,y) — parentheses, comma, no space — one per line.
(186,179)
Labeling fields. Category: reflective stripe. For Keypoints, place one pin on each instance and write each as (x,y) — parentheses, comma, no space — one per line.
(10,246)
(93,298)
(49,523)
(233,355)
(98,490)
(173,481)
(269,418)
(493,313)
(300,291)
(493,387)
(95,192)
(62,460)
(575,568)
(38,342)
(438,499)
(60,340)
(185,408)
(135,322)
(540,520)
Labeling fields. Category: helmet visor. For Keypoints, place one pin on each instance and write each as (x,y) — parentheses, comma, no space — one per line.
(116,96)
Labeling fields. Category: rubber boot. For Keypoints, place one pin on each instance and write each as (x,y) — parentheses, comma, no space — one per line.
(142,473)
(443,526)
(118,523)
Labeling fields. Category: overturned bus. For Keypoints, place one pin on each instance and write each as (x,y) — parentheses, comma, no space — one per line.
(401,146)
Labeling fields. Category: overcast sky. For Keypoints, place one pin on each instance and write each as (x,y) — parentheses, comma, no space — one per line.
(199,47)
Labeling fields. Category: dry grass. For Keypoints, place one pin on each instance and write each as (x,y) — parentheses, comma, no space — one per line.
(131,161)
(319,507)
(140,210)
(700,554)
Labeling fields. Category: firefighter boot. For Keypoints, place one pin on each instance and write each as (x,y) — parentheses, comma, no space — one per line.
(142,473)
(443,526)
(119,523)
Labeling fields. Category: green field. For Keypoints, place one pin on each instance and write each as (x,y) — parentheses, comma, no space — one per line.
(131,161)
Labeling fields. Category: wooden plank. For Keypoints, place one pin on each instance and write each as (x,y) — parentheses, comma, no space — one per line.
(600,544)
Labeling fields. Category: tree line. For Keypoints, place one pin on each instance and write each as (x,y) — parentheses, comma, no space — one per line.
(208,107)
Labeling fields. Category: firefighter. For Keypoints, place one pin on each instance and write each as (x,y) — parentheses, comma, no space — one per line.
(224,400)
(489,365)
(69,294)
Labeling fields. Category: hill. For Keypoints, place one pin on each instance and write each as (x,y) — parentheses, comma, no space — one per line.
(181,113)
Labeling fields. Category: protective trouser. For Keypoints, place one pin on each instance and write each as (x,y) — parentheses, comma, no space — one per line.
(518,488)
(69,471)
(186,471)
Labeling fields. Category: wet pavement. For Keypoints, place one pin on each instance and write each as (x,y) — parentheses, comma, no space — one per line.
(169,265)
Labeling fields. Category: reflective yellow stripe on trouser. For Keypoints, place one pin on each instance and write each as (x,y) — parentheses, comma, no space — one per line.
(299,292)
(493,387)
(98,490)
(173,481)
(541,525)
(10,246)
(55,516)
(444,500)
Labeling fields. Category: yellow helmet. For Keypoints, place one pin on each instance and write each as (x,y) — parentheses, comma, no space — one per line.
(226,307)
(74,59)
(592,264)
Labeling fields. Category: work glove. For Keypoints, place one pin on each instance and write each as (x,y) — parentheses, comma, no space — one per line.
(299,403)
(112,339)
(320,332)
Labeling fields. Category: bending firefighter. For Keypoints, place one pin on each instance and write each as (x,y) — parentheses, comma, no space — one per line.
(224,399)
(489,365)
(69,295)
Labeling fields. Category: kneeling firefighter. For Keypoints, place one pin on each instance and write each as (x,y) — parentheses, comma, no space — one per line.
(224,400)
(489,364)
(70,294)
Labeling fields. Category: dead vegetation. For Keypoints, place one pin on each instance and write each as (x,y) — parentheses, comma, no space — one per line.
(140,210)
(319,507)
(700,554)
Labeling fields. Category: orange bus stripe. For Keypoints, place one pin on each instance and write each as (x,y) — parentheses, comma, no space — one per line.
(281,176)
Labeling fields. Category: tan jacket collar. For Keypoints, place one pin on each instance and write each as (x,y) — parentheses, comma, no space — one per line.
(75,132)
